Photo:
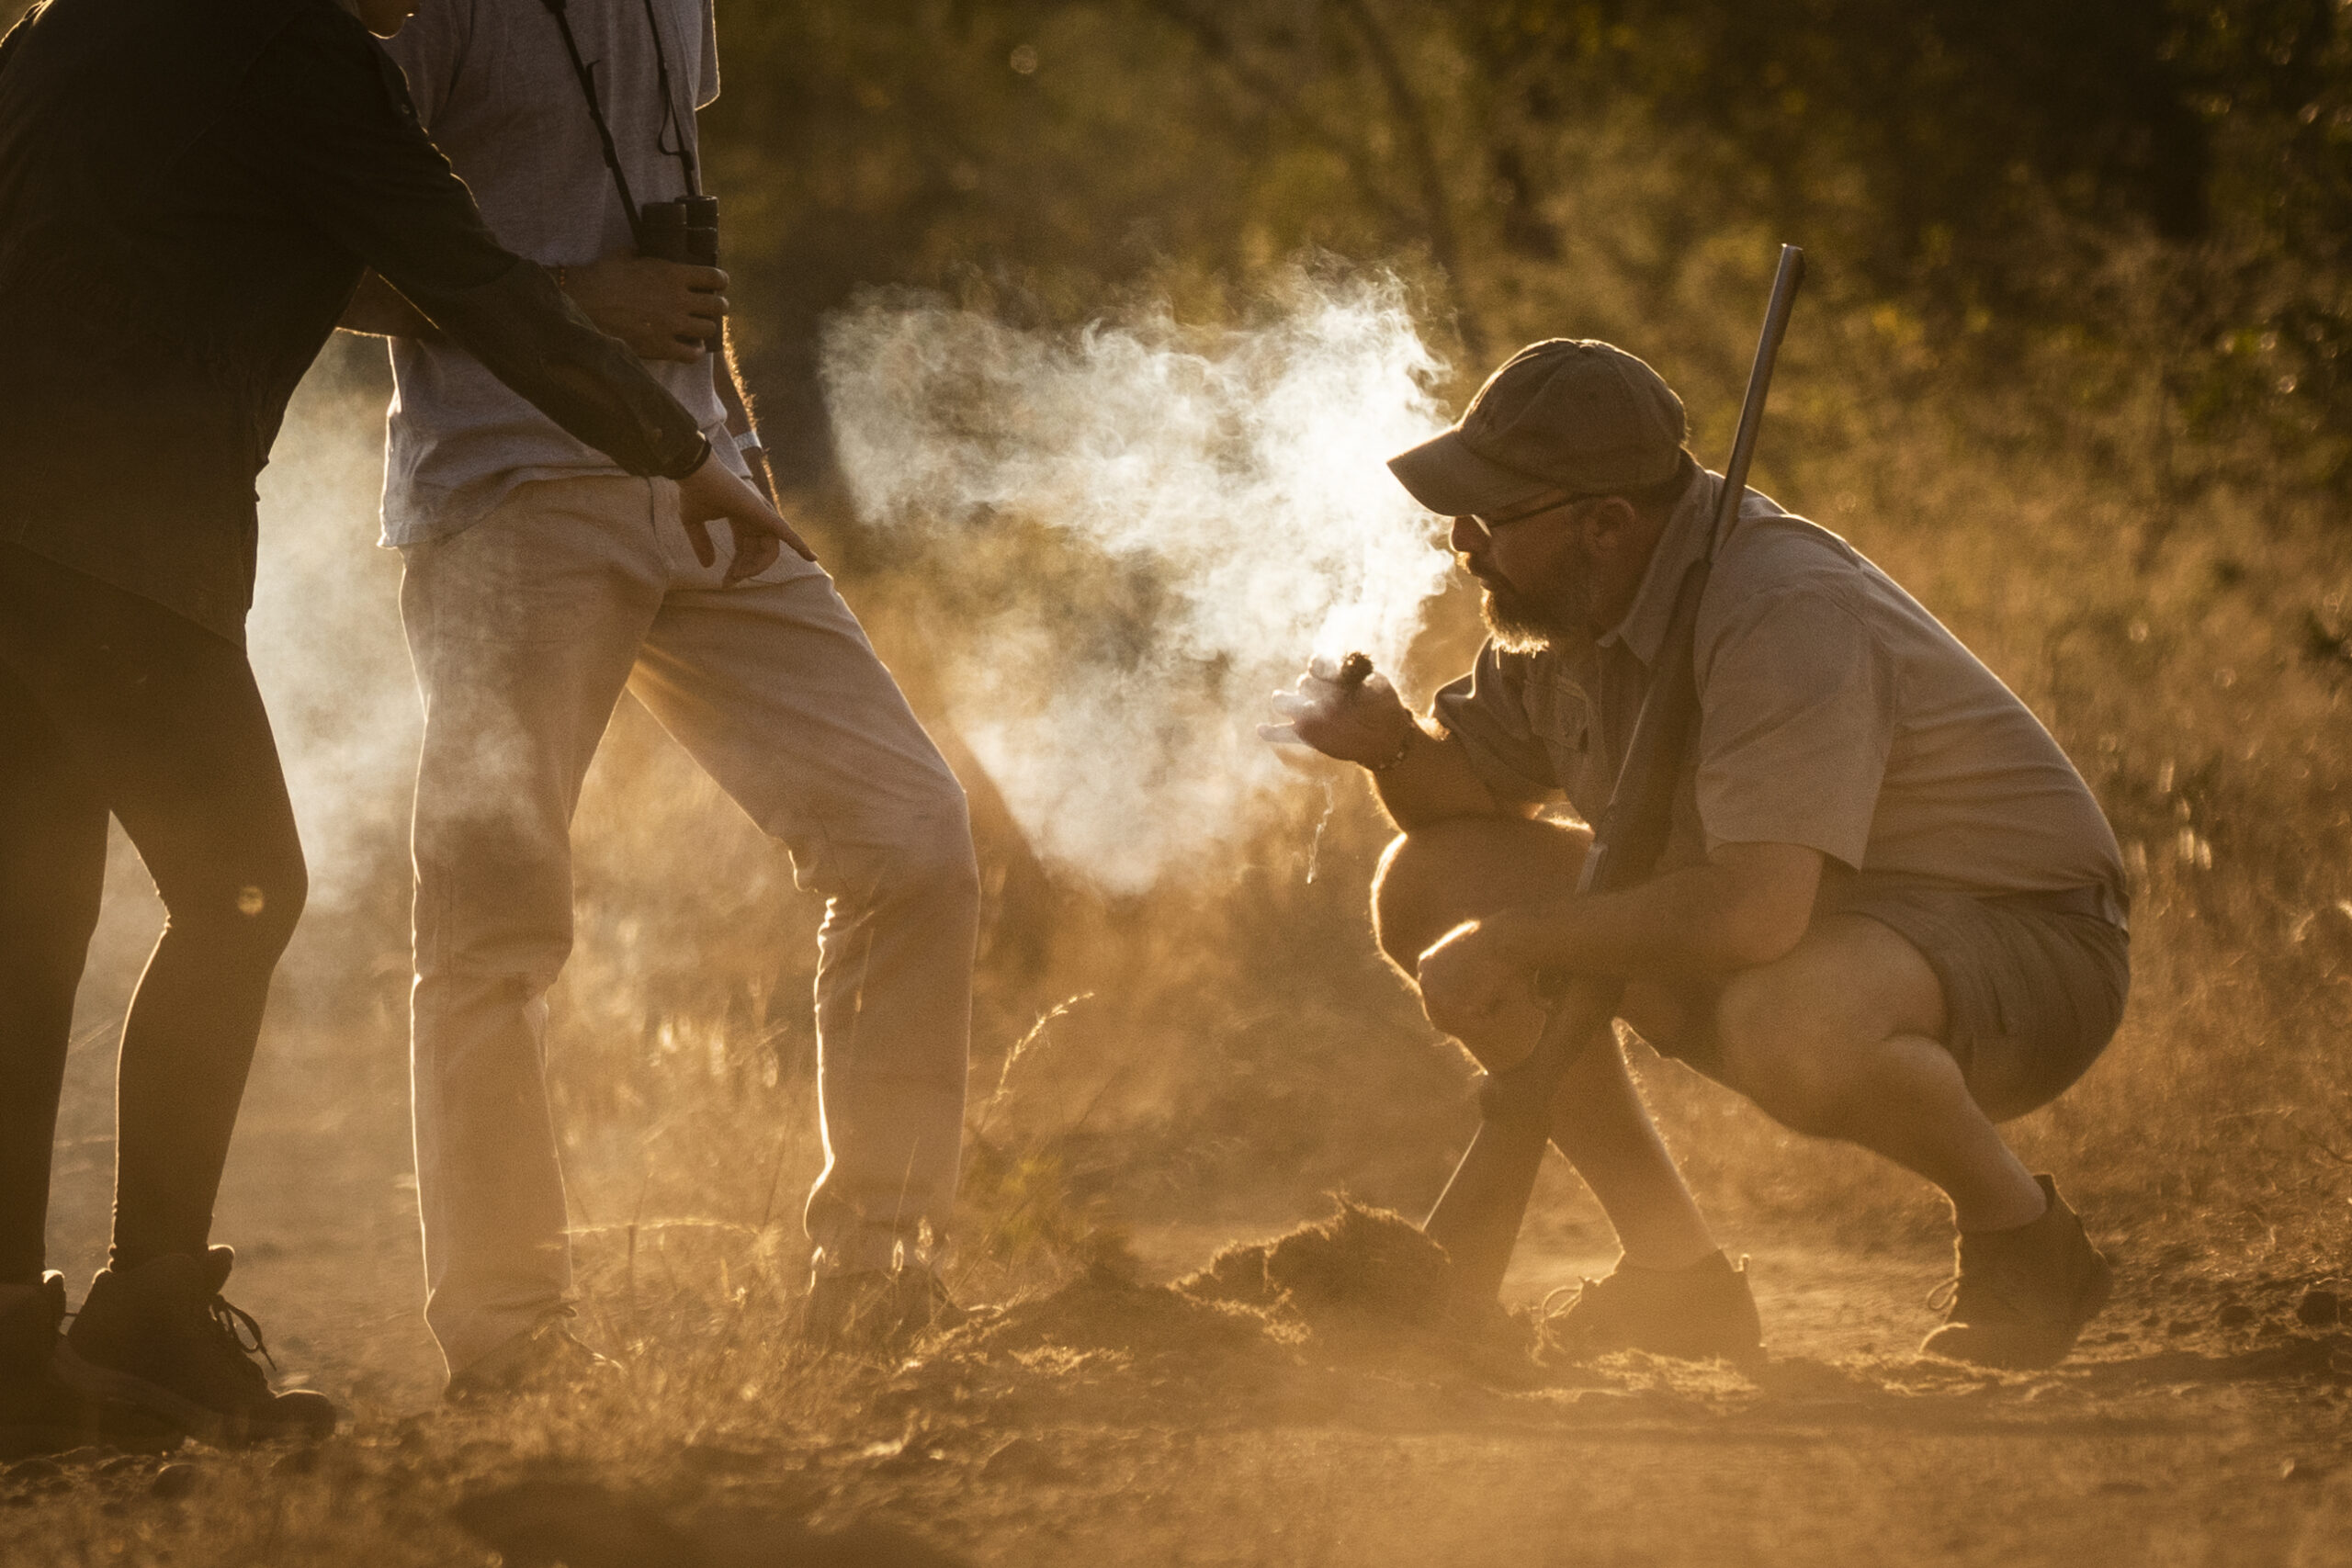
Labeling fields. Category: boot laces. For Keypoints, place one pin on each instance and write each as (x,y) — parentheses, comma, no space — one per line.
(235,1324)
(1562,1300)
(1941,1297)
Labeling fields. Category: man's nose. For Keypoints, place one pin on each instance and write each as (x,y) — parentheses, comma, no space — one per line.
(1469,537)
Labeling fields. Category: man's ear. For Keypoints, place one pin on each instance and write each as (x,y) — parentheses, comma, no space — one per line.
(1610,526)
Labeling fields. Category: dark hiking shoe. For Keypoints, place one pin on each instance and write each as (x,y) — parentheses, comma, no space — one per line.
(877,1310)
(39,1413)
(1695,1314)
(2019,1298)
(160,1336)
(545,1358)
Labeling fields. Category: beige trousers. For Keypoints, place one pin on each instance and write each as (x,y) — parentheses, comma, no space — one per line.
(524,630)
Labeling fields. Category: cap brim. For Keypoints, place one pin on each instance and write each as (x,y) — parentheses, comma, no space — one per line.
(1451,480)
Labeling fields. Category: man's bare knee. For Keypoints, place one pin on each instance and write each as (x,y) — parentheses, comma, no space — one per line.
(1453,1012)
(1399,891)
(1435,877)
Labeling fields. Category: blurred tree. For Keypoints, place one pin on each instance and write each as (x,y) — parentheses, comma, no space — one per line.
(1969,159)
(1975,164)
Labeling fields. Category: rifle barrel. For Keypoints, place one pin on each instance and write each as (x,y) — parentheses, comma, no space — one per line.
(1785,283)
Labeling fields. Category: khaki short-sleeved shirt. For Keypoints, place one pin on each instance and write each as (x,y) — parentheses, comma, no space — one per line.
(1835,713)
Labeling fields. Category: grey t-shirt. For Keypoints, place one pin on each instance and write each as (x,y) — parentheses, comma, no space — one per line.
(496,89)
(1835,713)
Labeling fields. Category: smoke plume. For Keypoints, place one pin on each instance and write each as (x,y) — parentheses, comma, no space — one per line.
(325,629)
(1149,527)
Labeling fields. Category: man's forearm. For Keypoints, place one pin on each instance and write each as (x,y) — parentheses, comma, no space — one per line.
(1431,782)
(1747,906)
(734,395)
(735,398)
(1673,922)
(538,344)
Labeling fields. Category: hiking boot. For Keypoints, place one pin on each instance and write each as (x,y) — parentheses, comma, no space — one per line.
(39,1413)
(2019,1298)
(160,1336)
(1694,1314)
(545,1358)
(877,1310)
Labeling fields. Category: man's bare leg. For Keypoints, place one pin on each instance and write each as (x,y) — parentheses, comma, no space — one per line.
(1837,1039)
(1434,879)
(1599,1122)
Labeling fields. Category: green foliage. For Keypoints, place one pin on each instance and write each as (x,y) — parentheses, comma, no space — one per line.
(1974,162)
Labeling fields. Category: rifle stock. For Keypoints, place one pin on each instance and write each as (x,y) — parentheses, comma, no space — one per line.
(1478,1217)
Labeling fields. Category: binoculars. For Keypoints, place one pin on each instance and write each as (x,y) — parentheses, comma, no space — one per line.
(685,230)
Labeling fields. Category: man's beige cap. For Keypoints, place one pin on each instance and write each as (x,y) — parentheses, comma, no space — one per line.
(1567,413)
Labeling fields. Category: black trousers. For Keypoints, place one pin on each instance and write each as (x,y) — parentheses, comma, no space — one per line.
(111,705)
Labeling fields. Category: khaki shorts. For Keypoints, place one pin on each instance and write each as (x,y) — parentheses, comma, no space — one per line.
(2034,983)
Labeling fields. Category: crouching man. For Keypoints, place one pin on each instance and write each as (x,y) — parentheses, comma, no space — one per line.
(1890,912)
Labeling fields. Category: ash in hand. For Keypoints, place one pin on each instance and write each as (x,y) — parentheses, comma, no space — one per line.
(1344,682)
(1346,711)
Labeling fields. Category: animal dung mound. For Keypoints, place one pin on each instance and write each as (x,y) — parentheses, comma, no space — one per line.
(1361,1268)
(1362,1289)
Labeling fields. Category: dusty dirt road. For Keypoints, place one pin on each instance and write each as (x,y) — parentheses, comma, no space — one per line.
(2204,1423)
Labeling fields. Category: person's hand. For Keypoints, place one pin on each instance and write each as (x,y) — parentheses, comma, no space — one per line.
(662,310)
(713,493)
(1365,723)
(1475,978)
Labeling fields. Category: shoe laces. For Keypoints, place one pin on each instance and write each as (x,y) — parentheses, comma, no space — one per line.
(236,1323)
(1547,1313)
(1976,1286)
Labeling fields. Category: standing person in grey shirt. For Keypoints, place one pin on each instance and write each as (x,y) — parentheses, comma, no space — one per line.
(542,581)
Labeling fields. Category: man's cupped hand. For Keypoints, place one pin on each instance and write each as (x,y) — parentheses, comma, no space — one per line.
(1361,723)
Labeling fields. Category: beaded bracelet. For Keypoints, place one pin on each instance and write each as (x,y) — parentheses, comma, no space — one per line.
(1404,746)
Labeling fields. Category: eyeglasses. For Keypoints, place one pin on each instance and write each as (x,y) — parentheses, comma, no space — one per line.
(1485,526)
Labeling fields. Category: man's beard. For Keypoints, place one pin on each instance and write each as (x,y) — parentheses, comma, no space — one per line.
(1521,624)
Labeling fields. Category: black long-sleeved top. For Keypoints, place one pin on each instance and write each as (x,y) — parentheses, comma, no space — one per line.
(190,190)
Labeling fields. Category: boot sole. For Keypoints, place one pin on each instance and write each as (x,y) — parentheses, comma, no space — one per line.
(198,1421)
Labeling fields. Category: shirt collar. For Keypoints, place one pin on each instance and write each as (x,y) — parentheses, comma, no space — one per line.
(1643,630)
